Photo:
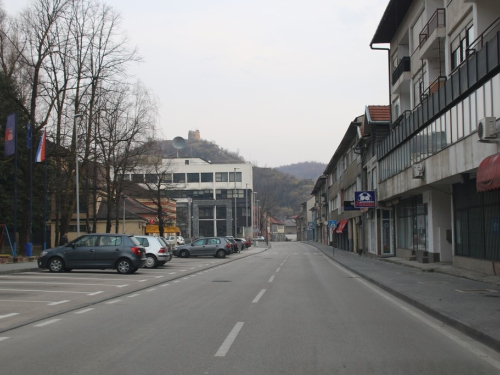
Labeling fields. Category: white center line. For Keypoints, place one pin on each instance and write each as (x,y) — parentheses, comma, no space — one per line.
(150,290)
(271,279)
(226,345)
(256,299)
(8,315)
(278,269)
(84,311)
(58,303)
(47,323)
(3,338)
(133,295)
(95,293)
(172,273)
(114,301)
(166,284)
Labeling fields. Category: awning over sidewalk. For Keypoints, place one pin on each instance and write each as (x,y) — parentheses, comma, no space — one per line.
(341,226)
(488,174)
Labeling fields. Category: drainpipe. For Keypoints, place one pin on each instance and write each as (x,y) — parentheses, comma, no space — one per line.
(389,78)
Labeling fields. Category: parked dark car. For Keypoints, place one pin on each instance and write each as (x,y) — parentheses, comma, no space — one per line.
(241,243)
(96,251)
(234,244)
(215,246)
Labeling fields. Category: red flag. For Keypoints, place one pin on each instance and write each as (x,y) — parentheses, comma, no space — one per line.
(10,135)
(40,153)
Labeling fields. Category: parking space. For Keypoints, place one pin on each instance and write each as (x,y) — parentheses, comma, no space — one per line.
(30,296)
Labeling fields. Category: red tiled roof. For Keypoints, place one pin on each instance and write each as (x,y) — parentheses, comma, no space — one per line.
(379,112)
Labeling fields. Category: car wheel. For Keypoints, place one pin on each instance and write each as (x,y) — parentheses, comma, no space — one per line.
(151,261)
(124,266)
(184,254)
(56,265)
(220,253)
(161,263)
(134,270)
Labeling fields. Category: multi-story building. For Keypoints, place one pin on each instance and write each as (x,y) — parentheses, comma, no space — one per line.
(304,221)
(212,199)
(438,166)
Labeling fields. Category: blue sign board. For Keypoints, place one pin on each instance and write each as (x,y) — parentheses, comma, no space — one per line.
(332,224)
(365,199)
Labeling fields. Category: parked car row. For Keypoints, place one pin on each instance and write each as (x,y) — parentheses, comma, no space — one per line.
(128,253)
(219,247)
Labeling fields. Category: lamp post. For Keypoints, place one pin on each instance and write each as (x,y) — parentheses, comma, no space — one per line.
(258,218)
(246,207)
(235,208)
(77,177)
(254,216)
(124,198)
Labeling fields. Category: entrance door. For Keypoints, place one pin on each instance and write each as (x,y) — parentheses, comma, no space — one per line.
(386,232)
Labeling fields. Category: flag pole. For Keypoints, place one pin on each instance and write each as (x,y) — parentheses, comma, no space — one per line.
(15,186)
(45,206)
(28,249)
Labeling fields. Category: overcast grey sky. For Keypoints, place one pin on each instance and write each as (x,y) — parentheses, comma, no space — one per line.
(277,80)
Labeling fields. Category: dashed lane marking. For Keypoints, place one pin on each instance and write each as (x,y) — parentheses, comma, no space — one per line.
(271,279)
(133,295)
(114,301)
(3,338)
(226,345)
(51,291)
(261,293)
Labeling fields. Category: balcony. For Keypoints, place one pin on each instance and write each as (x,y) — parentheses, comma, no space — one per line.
(401,74)
(432,34)
(433,88)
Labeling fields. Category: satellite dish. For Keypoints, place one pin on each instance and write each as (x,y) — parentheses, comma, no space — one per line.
(179,143)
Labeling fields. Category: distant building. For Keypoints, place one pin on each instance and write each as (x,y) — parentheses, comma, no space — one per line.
(194,135)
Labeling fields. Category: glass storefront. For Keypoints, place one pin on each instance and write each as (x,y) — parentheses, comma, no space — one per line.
(412,232)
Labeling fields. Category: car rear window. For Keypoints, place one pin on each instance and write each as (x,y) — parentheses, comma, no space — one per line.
(134,241)
(162,241)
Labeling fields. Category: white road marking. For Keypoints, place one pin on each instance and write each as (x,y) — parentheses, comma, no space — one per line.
(48,276)
(133,295)
(58,303)
(165,284)
(150,290)
(57,283)
(114,301)
(159,277)
(3,338)
(172,273)
(141,281)
(278,269)
(48,291)
(422,318)
(47,323)
(256,299)
(271,279)
(84,311)
(226,345)
(176,281)
(21,301)
(8,315)
(95,293)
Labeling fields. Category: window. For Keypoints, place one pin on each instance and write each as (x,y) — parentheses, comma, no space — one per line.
(193,177)
(138,178)
(221,177)
(231,176)
(207,177)
(459,46)
(179,178)
(206,212)
(186,162)
(85,241)
(110,241)
(221,212)
(151,178)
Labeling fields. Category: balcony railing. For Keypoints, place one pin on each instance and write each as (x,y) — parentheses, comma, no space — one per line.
(480,41)
(433,87)
(438,19)
(403,66)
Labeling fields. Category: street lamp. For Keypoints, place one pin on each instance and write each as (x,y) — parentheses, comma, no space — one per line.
(124,198)
(235,208)
(258,218)
(246,207)
(253,212)
(77,177)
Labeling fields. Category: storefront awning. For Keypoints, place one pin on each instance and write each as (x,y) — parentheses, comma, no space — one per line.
(488,174)
(341,226)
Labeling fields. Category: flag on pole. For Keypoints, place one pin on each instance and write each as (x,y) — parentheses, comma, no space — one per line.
(10,135)
(40,152)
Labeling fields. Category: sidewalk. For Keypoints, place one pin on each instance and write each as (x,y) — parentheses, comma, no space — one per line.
(18,267)
(466,300)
